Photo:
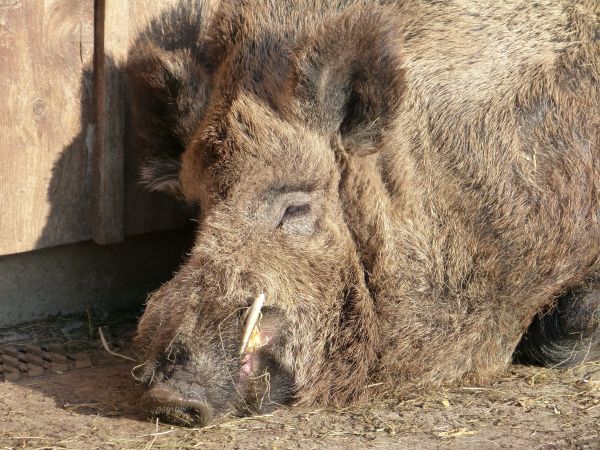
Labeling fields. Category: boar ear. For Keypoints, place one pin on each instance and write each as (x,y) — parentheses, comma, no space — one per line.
(168,94)
(349,78)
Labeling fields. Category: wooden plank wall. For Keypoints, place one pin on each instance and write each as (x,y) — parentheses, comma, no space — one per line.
(67,173)
(112,42)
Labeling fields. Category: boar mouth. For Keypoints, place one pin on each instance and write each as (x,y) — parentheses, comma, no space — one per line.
(185,393)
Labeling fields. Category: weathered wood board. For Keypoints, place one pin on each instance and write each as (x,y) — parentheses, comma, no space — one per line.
(46,51)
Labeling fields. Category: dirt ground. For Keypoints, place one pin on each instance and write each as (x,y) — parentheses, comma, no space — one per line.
(95,406)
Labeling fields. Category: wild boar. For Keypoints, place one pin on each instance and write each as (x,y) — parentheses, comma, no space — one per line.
(392,195)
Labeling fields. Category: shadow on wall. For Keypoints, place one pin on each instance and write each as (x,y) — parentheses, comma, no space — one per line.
(72,189)
(75,206)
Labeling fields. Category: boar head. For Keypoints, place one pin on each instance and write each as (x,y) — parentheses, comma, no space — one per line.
(273,305)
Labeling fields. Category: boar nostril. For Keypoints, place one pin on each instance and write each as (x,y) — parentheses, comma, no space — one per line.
(168,405)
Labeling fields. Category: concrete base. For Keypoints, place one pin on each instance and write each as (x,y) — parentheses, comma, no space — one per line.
(72,278)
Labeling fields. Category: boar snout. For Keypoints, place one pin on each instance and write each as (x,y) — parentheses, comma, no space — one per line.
(167,404)
(186,392)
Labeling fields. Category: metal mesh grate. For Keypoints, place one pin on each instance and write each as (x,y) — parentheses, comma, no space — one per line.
(61,344)
(28,361)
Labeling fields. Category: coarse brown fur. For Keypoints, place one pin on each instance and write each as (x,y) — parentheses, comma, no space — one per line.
(410,183)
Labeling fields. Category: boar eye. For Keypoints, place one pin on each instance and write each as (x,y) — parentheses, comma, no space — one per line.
(294,211)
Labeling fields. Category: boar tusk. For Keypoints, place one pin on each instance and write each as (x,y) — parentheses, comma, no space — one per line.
(251,319)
